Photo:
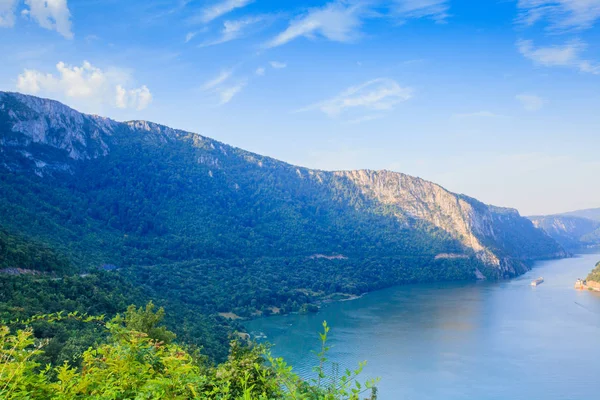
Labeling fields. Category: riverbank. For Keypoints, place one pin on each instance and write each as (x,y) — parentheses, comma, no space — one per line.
(588,285)
(318,299)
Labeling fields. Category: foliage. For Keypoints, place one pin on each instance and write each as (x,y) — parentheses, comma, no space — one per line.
(147,321)
(97,293)
(595,274)
(131,365)
(17,252)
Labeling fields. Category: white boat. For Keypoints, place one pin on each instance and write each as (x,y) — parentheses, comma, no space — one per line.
(537,282)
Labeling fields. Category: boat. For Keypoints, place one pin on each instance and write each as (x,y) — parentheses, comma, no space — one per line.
(537,282)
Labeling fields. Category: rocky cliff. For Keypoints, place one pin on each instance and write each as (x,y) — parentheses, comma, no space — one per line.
(479,227)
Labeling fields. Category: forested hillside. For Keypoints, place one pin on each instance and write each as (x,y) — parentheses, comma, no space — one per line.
(204,228)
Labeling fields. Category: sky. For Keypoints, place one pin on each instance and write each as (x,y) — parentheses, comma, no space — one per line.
(496,99)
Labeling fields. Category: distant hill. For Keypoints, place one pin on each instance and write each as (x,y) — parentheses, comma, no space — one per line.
(592,213)
(576,230)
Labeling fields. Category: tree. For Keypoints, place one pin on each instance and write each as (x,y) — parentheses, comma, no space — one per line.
(145,320)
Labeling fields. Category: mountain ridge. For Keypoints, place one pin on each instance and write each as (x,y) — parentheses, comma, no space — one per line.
(575,230)
(87,137)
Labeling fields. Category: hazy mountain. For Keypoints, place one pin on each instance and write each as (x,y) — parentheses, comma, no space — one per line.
(592,213)
(574,230)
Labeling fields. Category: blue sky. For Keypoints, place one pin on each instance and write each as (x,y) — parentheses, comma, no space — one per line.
(497,99)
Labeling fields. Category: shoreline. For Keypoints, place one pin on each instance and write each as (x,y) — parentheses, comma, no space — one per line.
(349,297)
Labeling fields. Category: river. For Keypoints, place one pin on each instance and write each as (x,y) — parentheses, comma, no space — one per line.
(485,340)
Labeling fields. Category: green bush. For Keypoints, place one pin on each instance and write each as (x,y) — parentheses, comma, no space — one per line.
(140,361)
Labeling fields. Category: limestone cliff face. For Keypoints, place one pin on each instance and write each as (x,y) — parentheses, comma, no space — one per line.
(417,198)
(46,137)
(38,126)
(479,227)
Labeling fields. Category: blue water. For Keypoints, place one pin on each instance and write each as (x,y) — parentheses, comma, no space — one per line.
(504,340)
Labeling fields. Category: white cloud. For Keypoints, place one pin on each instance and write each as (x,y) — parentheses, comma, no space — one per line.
(219,86)
(278,64)
(567,55)
(478,114)
(7,13)
(139,98)
(337,21)
(51,14)
(226,94)
(530,102)
(341,20)
(434,9)
(379,94)
(190,36)
(219,79)
(260,71)
(233,30)
(219,9)
(560,14)
(87,83)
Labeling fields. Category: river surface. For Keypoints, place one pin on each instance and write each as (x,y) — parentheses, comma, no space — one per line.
(504,340)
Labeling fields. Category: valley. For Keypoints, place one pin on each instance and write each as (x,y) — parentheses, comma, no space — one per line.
(204,228)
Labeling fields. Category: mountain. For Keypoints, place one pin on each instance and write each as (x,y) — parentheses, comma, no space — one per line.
(591,213)
(200,225)
(576,230)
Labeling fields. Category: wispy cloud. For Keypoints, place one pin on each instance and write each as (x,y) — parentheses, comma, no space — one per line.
(260,71)
(434,9)
(566,55)
(53,15)
(190,36)
(233,30)
(278,64)
(531,102)
(560,15)
(218,9)
(228,93)
(7,13)
(219,79)
(342,20)
(221,86)
(376,95)
(87,85)
(337,21)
